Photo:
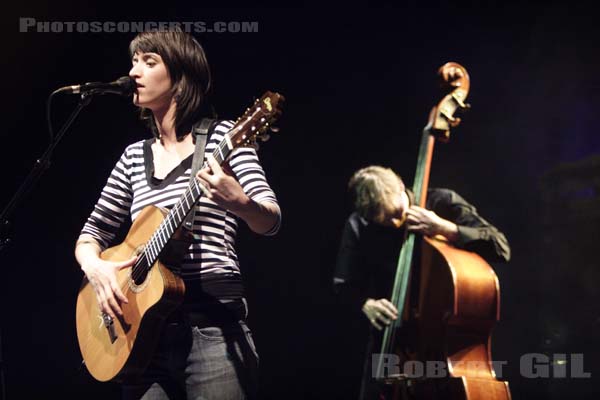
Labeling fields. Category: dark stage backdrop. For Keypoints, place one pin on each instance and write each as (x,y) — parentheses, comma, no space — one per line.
(359,85)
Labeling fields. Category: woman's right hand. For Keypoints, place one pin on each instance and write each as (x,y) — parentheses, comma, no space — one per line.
(380,312)
(102,275)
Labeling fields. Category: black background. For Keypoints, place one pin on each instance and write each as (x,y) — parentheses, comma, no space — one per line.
(359,84)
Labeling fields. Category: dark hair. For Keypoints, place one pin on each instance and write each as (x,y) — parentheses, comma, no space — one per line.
(188,69)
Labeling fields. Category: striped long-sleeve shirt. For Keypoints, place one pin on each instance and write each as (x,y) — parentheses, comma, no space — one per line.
(211,257)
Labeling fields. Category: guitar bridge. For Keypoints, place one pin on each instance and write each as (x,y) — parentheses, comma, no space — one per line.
(109,324)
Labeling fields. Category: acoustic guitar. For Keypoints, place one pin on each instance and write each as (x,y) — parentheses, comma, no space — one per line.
(123,347)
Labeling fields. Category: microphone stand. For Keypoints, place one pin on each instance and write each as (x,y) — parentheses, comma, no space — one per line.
(2,381)
(40,166)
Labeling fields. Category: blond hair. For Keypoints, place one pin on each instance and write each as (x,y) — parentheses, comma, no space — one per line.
(374,189)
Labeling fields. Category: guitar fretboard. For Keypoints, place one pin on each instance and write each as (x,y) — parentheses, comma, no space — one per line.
(186,203)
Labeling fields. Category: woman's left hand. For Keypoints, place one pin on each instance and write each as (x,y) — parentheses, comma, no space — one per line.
(221,187)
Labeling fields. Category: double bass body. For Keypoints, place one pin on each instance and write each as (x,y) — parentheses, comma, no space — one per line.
(458,305)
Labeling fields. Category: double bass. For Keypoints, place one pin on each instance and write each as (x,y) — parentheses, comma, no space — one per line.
(451,316)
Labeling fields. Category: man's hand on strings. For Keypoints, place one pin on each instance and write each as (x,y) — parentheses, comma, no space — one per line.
(379,312)
(428,223)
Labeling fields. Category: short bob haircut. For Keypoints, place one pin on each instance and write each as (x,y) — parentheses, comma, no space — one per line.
(374,189)
(188,69)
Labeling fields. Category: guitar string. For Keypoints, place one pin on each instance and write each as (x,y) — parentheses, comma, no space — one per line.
(163,230)
(225,150)
(139,269)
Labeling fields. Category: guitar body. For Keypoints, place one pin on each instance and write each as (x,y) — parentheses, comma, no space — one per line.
(459,303)
(125,347)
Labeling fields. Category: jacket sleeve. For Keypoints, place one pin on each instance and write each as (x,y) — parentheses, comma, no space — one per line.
(350,280)
(474,232)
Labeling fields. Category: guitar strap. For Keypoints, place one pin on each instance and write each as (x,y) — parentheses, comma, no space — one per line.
(200,130)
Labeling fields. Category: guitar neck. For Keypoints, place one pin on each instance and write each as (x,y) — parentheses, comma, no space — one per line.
(184,206)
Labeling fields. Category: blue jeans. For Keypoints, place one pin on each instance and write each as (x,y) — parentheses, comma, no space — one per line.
(200,363)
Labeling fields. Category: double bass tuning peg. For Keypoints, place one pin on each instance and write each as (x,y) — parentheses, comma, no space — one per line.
(452,120)
(459,101)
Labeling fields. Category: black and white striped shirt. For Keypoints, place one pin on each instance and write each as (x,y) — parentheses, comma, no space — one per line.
(131,187)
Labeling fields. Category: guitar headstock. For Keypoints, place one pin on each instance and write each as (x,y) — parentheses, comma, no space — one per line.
(455,79)
(257,120)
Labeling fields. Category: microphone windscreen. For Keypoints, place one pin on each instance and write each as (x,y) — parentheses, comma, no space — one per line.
(128,85)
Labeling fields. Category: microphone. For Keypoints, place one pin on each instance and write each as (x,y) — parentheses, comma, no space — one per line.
(124,86)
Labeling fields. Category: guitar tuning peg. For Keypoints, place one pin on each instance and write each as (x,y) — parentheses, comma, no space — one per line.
(274,129)
(265,137)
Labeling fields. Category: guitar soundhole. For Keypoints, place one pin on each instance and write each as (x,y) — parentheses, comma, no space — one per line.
(138,278)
